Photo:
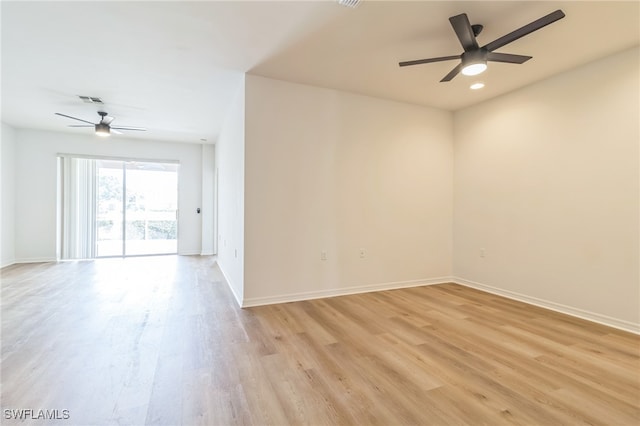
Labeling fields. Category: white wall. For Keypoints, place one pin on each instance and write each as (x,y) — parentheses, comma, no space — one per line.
(546,181)
(230,166)
(35,185)
(336,172)
(208,196)
(7,196)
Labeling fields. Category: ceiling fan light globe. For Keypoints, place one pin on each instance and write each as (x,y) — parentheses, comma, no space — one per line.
(102,130)
(474,69)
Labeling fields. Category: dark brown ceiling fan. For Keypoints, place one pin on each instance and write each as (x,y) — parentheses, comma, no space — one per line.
(103,127)
(474,58)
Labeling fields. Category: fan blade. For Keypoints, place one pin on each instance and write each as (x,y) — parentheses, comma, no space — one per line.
(462,27)
(81,125)
(140,129)
(507,57)
(426,61)
(523,31)
(452,74)
(116,132)
(74,118)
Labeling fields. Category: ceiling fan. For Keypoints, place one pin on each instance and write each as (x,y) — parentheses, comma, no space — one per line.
(474,59)
(103,127)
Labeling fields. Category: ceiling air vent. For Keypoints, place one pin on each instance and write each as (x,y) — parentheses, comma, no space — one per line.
(90,100)
(349,3)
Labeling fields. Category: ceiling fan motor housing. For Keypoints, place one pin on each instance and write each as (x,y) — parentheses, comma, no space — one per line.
(474,56)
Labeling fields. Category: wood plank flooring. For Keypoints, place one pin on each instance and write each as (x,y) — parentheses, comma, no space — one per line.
(160,341)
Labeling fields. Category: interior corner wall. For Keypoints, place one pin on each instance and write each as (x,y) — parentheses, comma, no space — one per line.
(36,185)
(230,167)
(364,182)
(7,196)
(547,192)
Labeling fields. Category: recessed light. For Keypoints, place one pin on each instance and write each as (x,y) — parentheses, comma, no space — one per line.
(476,86)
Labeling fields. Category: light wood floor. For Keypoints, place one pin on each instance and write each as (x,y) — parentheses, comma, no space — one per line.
(160,340)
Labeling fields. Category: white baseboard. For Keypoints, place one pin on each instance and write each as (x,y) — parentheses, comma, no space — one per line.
(230,285)
(189,253)
(37,260)
(319,294)
(207,253)
(564,309)
(7,263)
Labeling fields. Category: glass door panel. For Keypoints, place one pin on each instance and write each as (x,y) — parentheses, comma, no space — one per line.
(151,225)
(110,184)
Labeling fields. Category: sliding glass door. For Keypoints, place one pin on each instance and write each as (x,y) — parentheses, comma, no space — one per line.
(132,210)
(151,225)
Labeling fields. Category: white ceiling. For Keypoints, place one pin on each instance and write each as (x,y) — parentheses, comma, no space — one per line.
(174,67)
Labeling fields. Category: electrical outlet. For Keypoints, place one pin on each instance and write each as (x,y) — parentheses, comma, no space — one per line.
(323,255)
(483,252)
(363,253)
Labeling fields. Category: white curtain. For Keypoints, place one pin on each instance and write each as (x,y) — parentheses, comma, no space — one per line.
(78,208)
